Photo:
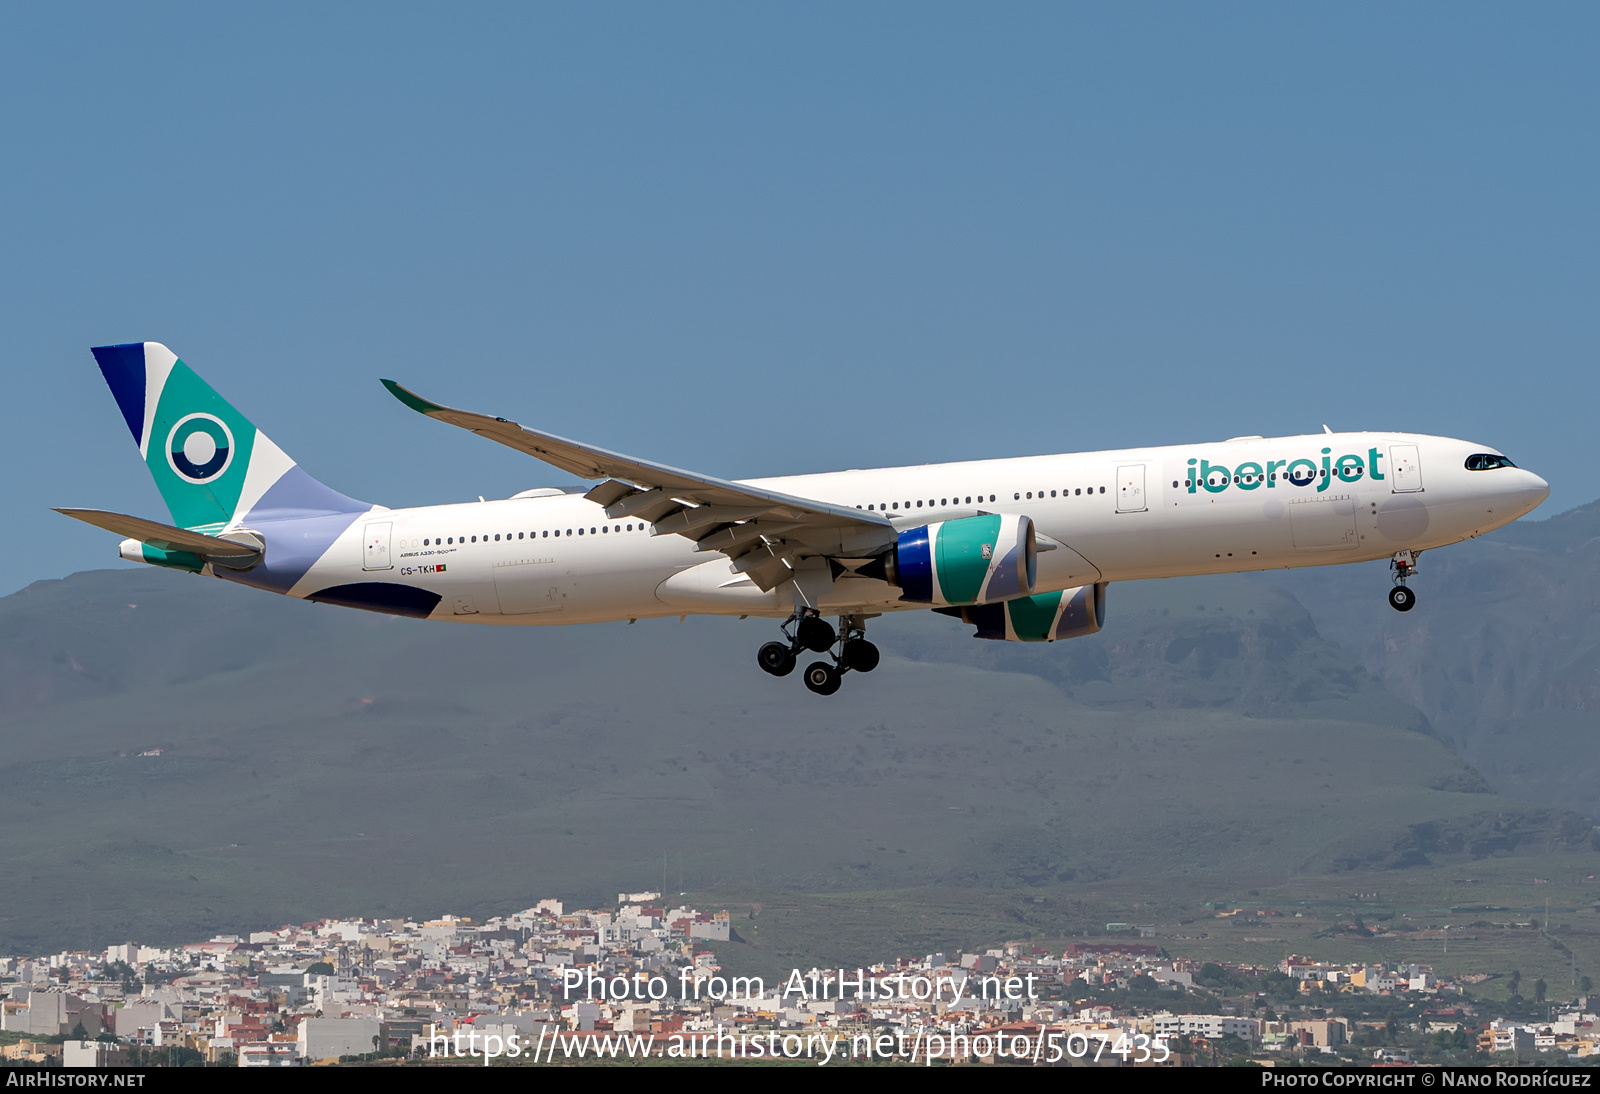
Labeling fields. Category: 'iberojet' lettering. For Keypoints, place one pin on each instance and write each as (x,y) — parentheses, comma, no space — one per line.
(1214,478)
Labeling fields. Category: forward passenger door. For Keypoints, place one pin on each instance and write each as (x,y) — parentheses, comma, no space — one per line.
(1130,488)
(1405,468)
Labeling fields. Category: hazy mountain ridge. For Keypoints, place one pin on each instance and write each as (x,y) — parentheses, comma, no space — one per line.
(318,760)
(1502,653)
(1225,643)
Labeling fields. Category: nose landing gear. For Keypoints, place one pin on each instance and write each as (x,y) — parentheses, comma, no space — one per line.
(807,630)
(1404,565)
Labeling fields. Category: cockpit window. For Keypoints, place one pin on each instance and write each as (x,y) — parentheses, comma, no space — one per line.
(1486,461)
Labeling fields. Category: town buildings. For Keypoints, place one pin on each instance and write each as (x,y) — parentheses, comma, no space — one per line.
(642,977)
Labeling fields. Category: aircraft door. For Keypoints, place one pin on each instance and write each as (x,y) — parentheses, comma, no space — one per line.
(376,547)
(527,586)
(1323,523)
(1130,488)
(1405,467)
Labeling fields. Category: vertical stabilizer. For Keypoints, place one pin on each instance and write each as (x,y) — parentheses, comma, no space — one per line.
(214,468)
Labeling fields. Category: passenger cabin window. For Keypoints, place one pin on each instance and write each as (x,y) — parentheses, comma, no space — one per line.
(1487,461)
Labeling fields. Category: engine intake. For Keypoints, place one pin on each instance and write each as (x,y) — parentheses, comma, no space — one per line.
(971,560)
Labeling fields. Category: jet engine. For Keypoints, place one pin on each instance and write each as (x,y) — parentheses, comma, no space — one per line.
(1044,617)
(970,560)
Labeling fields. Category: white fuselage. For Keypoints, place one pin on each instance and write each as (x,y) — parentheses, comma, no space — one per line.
(1223,507)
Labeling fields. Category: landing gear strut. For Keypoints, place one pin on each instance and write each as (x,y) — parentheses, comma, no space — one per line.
(807,630)
(1404,565)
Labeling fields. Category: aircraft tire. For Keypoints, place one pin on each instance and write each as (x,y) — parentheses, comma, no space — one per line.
(815,634)
(859,655)
(775,658)
(1402,599)
(822,678)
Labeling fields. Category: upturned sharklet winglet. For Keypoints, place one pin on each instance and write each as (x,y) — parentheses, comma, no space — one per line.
(411,398)
(162,536)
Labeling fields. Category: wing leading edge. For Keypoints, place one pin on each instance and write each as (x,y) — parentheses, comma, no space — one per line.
(764,532)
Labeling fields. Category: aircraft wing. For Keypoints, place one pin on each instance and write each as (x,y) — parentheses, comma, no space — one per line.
(765,532)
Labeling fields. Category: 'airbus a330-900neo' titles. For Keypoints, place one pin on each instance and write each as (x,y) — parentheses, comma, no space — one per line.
(1021,549)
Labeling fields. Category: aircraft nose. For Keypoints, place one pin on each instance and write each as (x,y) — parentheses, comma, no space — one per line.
(1535,491)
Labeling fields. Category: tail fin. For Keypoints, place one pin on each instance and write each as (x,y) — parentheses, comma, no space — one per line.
(214,468)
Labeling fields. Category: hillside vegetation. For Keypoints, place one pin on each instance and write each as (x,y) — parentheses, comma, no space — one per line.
(317,761)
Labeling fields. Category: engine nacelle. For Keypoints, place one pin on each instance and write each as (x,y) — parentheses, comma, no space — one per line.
(971,560)
(1045,617)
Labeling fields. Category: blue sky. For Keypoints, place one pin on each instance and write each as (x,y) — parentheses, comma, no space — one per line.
(766,238)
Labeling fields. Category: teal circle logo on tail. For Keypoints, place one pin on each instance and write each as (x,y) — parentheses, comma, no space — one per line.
(199,448)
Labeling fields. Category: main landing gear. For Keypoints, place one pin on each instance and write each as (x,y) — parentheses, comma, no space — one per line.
(1404,565)
(807,630)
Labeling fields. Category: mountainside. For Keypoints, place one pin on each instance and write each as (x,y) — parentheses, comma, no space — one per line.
(1502,653)
(315,761)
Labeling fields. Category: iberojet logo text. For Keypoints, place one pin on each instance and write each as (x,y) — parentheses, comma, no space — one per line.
(1214,478)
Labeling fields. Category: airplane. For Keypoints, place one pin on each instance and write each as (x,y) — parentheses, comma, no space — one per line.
(1022,549)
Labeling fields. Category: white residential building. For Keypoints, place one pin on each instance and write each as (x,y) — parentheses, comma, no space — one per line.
(1206,1025)
(330,1038)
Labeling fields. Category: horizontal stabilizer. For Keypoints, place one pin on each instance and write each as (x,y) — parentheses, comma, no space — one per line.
(162,536)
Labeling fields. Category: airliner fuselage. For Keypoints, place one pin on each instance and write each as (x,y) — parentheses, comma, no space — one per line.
(1021,548)
(1253,504)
